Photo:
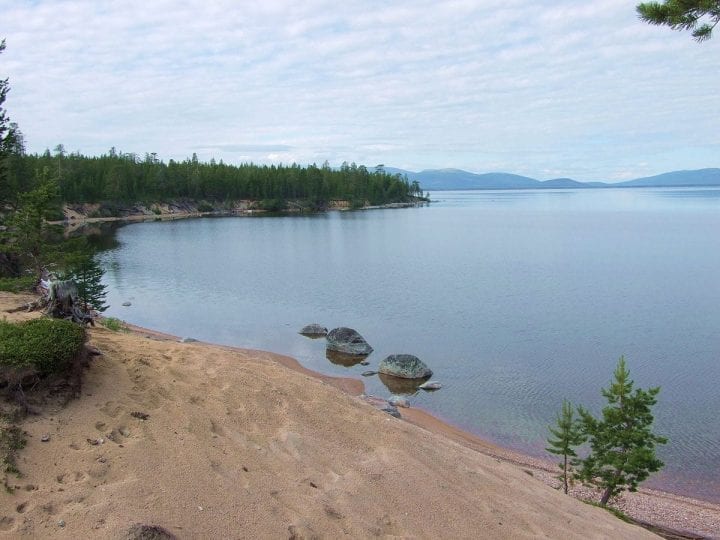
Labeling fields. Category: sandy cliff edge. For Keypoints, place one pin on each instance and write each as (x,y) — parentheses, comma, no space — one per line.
(236,445)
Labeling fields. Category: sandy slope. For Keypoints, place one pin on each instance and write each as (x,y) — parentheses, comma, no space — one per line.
(237,445)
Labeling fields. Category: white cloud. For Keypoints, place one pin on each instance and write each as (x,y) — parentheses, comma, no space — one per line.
(538,88)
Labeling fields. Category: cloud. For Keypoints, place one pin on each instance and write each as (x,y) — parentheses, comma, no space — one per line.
(250,148)
(586,91)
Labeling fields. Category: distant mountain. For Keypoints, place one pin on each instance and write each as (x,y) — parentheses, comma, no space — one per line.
(448,179)
(439,179)
(702,177)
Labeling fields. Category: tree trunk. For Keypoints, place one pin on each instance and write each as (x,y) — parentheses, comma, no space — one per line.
(606,496)
(565,475)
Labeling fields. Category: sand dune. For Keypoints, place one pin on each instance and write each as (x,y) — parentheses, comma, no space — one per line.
(236,445)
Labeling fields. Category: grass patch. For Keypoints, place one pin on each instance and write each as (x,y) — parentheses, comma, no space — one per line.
(116,325)
(17,285)
(12,440)
(614,511)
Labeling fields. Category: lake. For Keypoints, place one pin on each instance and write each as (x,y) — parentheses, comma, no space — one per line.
(516,300)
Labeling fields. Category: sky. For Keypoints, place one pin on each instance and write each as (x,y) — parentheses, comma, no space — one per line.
(540,88)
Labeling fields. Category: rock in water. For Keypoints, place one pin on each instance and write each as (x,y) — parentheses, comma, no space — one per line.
(398,401)
(368,373)
(431,385)
(405,366)
(313,330)
(348,341)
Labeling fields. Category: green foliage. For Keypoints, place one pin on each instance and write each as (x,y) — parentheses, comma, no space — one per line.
(18,284)
(84,270)
(614,511)
(116,180)
(111,323)
(565,437)
(699,16)
(29,234)
(205,206)
(272,205)
(621,441)
(46,345)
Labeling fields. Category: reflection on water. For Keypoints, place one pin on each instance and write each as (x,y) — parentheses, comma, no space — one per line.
(343,359)
(400,386)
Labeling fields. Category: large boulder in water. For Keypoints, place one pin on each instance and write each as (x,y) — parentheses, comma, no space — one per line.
(348,341)
(405,366)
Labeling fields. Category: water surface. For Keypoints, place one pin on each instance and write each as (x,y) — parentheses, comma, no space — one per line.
(516,299)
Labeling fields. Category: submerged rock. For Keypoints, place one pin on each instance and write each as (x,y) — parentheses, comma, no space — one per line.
(347,341)
(405,366)
(313,330)
(431,385)
(368,373)
(398,401)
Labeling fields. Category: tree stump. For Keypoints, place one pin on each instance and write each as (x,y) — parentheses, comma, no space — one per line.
(63,303)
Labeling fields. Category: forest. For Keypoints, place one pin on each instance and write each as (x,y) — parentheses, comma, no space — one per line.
(126,178)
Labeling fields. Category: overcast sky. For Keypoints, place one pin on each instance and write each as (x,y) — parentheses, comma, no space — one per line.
(541,88)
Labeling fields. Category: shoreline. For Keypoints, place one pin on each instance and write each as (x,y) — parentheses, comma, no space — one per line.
(123,353)
(677,515)
(75,220)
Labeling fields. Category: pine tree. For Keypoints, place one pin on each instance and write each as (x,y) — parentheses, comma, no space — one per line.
(87,274)
(622,444)
(700,16)
(568,435)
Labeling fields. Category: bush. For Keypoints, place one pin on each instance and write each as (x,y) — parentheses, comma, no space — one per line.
(46,345)
(16,285)
(111,323)
(204,206)
(272,205)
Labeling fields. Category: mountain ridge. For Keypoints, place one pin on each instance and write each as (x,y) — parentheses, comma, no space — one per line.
(451,179)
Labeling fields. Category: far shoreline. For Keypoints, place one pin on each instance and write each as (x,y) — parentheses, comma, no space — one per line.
(74,220)
(668,512)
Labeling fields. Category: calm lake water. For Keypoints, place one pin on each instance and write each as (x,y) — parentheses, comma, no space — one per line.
(516,299)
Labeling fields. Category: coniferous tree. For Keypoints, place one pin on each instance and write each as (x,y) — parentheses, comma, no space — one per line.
(85,271)
(622,445)
(700,16)
(567,435)
(29,234)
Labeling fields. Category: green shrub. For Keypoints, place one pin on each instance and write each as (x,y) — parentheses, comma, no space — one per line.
(204,206)
(272,205)
(20,284)
(47,345)
(111,323)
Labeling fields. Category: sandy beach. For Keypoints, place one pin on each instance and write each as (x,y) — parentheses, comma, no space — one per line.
(249,444)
